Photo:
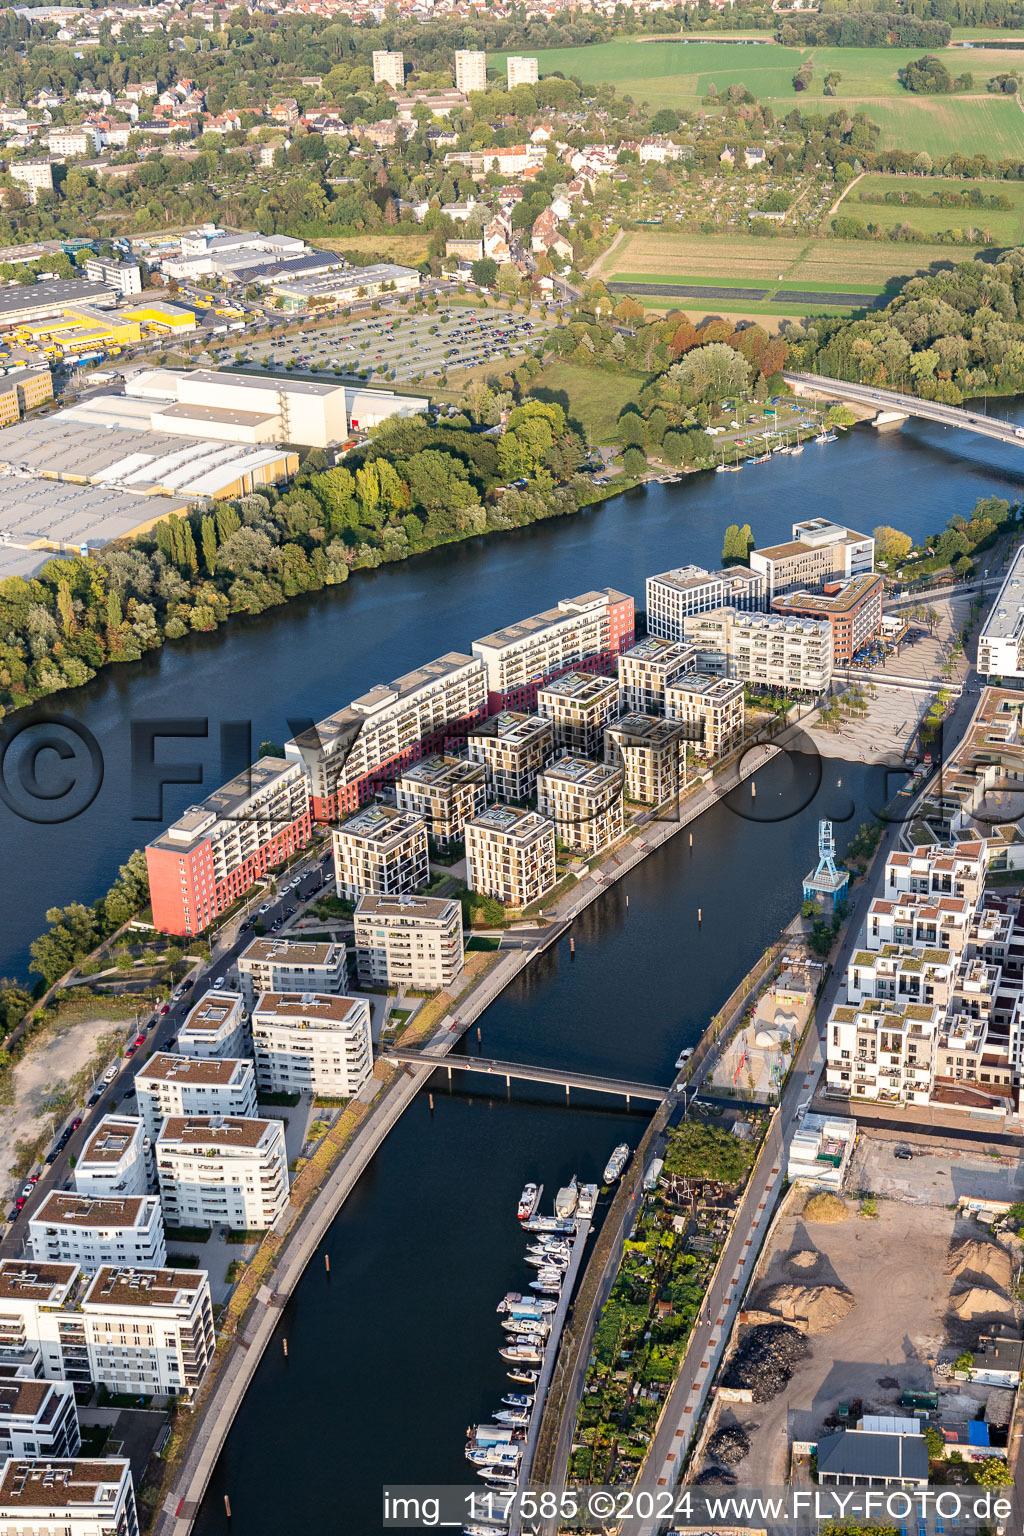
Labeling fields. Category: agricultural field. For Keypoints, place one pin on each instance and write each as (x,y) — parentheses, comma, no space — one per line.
(1006,225)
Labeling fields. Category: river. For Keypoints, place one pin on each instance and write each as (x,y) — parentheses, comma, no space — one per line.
(395,1352)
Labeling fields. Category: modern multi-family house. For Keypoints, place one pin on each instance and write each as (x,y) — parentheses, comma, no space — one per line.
(219,849)
(710,711)
(445,792)
(513,748)
(583,800)
(408,941)
(312,1042)
(219,1170)
(291,965)
(938,871)
(647,748)
(40,1332)
(215,1026)
(149,1330)
(1001,642)
(510,855)
(587,633)
(915,917)
(380,851)
(115,1158)
(191,1085)
(853,608)
(763,649)
(819,551)
(67,1498)
(674,595)
(883,1050)
(38,1419)
(579,706)
(93,1230)
(647,669)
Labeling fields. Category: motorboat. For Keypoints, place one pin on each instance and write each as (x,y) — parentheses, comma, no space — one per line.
(526,1377)
(527,1327)
(587,1201)
(617,1162)
(547,1261)
(683,1058)
(522,1352)
(517,1305)
(529,1200)
(565,1200)
(519,1399)
(550,1224)
(548,1285)
(475,1529)
(515,1416)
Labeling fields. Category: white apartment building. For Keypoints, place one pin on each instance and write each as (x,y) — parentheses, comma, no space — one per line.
(115,1159)
(312,1042)
(380,851)
(191,1085)
(222,1171)
(938,871)
(710,710)
(583,800)
(883,1051)
(510,855)
(38,1419)
(149,1330)
(913,917)
(470,70)
(445,792)
(674,595)
(647,748)
(91,1231)
(763,649)
(513,748)
(521,71)
(275,964)
(68,1498)
(40,1332)
(589,632)
(898,973)
(389,68)
(579,706)
(367,744)
(408,941)
(819,551)
(646,670)
(1001,642)
(216,1026)
(34,175)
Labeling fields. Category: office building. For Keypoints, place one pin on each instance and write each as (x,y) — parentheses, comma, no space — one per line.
(513,747)
(470,70)
(38,1419)
(510,855)
(222,1170)
(819,551)
(1001,642)
(125,277)
(408,941)
(388,68)
(115,1159)
(583,800)
(380,851)
(521,71)
(149,1331)
(220,848)
(21,391)
(215,1026)
(90,1231)
(674,595)
(579,706)
(68,1498)
(646,670)
(275,964)
(366,745)
(853,608)
(184,1086)
(445,792)
(763,649)
(648,750)
(312,1042)
(710,710)
(587,633)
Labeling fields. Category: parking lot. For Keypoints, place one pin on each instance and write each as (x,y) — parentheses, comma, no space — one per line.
(936,1177)
(401,348)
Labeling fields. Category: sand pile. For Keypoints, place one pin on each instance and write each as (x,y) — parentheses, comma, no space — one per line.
(803,1258)
(981,1261)
(825,1207)
(978,1304)
(815,1308)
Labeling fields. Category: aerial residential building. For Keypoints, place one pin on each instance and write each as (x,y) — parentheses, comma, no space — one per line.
(218,850)
(584,800)
(445,792)
(646,670)
(938,871)
(34,175)
(470,70)
(188,1085)
(710,709)
(368,743)
(928,922)
(91,1231)
(38,1419)
(898,973)
(222,1171)
(853,608)
(149,1330)
(408,941)
(819,551)
(513,747)
(674,595)
(215,1026)
(587,633)
(647,748)
(579,706)
(388,68)
(510,855)
(312,1042)
(380,851)
(275,964)
(114,1160)
(1001,642)
(763,649)
(882,1050)
(521,71)
(39,1333)
(68,1498)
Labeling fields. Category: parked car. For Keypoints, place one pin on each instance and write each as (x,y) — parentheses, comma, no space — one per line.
(131,1050)
(903,1153)
(218,984)
(76,1122)
(265,908)
(165,1009)
(110,1073)
(93,1098)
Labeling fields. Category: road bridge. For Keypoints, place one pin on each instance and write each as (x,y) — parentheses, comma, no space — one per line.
(513,1069)
(889,400)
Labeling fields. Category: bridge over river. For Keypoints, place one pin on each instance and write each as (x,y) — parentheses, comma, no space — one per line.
(892,404)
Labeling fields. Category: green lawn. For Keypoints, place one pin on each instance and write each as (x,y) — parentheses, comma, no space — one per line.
(1006,225)
(593,398)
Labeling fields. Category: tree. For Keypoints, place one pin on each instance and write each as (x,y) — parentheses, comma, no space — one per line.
(710,371)
(935,1443)
(634,461)
(891,543)
(484,272)
(993,1473)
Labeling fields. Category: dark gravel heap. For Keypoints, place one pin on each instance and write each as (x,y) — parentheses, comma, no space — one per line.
(765,1360)
(715,1477)
(729,1444)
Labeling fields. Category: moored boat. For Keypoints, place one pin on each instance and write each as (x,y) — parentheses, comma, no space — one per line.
(526,1377)
(522,1352)
(529,1200)
(587,1201)
(617,1162)
(519,1399)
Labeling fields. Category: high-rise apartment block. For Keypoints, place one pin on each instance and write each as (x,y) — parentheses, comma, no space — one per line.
(68,1498)
(513,747)
(215,1026)
(583,800)
(389,68)
(521,71)
(579,706)
(222,1171)
(380,851)
(646,670)
(188,1085)
(510,855)
(149,1330)
(675,594)
(648,750)
(115,1159)
(312,1042)
(763,649)
(445,792)
(470,70)
(92,1230)
(588,633)
(408,941)
(274,964)
(710,710)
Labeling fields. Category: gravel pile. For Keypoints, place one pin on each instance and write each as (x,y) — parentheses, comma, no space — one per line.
(765,1360)
(715,1477)
(729,1444)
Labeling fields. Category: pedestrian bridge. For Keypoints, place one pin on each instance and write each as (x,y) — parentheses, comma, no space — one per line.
(890,402)
(511,1069)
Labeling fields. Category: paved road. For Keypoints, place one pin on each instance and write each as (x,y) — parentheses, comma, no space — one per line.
(910,405)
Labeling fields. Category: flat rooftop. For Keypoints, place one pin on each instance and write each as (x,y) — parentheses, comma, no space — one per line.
(568,608)
(513,726)
(581,772)
(340,729)
(580,687)
(686,578)
(299,952)
(213,1071)
(654,729)
(214,1131)
(110,1141)
(853,592)
(708,686)
(131,1287)
(1006,619)
(219,377)
(511,821)
(654,651)
(381,824)
(61,1209)
(213,1011)
(316,1007)
(59,1484)
(429,908)
(227,803)
(442,772)
(29,1280)
(16,297)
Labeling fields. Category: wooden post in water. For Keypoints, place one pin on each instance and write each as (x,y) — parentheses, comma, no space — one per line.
(700,916)
(285,1343)
(227,1506)
(572,949)
(430,1096)
(327,1262)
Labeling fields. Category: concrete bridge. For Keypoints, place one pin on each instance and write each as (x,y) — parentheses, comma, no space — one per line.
(511,1069)
(892,407)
